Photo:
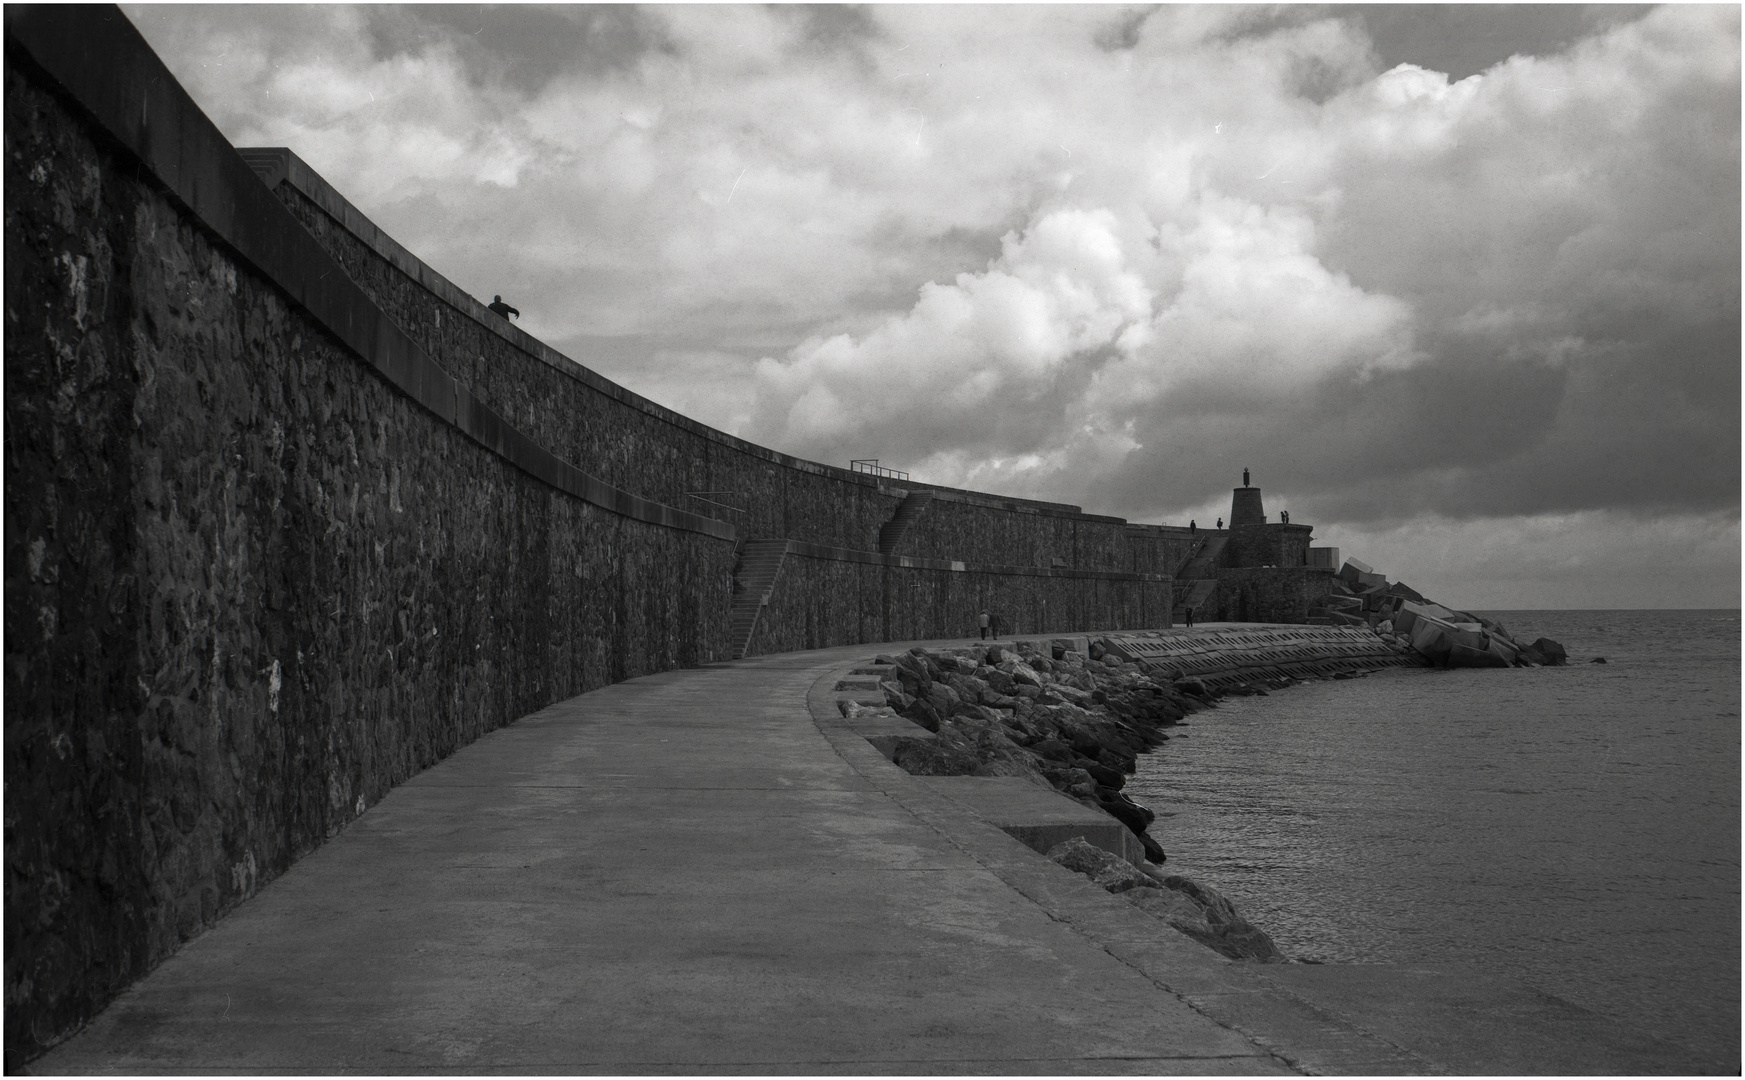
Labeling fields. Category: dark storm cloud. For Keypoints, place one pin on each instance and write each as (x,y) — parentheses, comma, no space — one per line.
(1466,39)
(524,45)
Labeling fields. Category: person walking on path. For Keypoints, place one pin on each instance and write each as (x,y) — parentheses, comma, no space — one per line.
(1190,617)
(984,624)
(497,305)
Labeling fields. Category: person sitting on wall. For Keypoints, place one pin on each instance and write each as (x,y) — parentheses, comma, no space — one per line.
(501,308)
(984,623)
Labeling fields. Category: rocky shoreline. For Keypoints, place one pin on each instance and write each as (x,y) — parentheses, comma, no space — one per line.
(1072,721)
(1077,721)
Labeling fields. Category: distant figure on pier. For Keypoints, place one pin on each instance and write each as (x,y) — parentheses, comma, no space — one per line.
(1220,523)
(1244,477)
(1192,528)
(1285,516)
(501,308)
(1190,616)
(985,621)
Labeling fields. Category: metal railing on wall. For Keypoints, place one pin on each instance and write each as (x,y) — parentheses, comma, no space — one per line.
(703,497)
(871,465)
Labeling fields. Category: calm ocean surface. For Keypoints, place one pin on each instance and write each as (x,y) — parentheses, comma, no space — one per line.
(1576,828)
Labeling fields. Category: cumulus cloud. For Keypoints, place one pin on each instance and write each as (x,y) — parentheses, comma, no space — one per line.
(1095,255)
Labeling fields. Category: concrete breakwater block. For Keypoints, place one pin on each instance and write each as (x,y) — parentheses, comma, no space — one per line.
(1035,816)
(1229,656)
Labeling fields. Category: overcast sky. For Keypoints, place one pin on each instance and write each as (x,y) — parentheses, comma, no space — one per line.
(1460,284)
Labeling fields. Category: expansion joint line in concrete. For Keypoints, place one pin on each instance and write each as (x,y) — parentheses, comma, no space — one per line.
(1420,1064)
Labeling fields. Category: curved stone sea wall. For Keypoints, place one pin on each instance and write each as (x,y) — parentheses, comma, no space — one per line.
(290,518)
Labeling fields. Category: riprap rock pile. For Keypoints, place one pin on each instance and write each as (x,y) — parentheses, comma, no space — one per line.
(1065,720)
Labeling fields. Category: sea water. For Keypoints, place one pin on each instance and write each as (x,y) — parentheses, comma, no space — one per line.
(1575,827)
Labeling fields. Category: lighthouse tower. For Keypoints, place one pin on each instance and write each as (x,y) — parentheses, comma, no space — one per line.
(1245,506)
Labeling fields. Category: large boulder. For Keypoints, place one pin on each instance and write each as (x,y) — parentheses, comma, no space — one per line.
(922,712)
(1203,914)
(927,757)
(1196,910)
(1106,869)
(1126,811)
(1547,652)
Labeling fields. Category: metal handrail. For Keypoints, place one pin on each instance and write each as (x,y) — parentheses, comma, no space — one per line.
(698,495)
(871,466)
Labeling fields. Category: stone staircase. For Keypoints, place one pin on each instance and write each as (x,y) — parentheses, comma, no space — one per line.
(1194,594)
(1196,580)
(760,561)
(891,532)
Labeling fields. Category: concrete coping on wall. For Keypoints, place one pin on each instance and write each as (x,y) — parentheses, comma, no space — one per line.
(100,60)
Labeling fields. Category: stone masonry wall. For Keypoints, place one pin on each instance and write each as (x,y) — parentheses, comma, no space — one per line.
(1267,545)
(250,586)
(286,524)
(641,447)
(1160,549)
(818,602)
(979,533)
(1273,594)
(628,447)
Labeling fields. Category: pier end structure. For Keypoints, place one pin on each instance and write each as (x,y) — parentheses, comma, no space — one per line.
(1265,571)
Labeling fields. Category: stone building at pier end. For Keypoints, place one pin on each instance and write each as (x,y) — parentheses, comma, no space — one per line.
(1265,571)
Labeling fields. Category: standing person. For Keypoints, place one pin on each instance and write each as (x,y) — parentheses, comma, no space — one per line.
(1190,616)
(1192,528)
(984,622)
(1220,523)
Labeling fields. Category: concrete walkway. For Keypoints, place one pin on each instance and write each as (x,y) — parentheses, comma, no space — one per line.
(695,872)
